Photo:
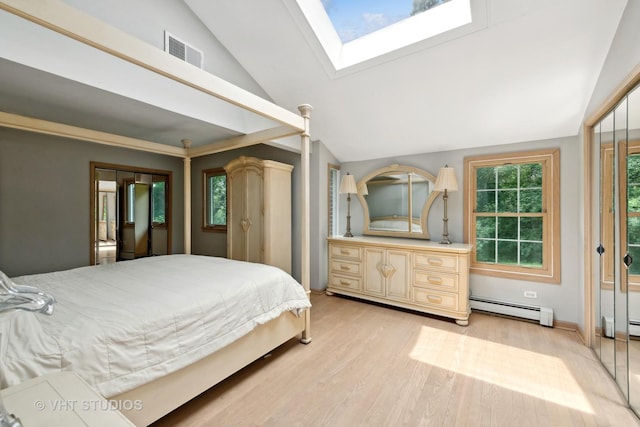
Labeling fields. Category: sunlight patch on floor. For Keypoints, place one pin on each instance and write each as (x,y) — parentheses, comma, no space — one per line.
(534,374)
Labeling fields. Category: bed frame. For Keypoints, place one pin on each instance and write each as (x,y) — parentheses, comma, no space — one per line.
(161,396)
(165,394)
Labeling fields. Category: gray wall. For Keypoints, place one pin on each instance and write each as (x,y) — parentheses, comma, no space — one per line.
(44,199)
(561,298)
(320,159)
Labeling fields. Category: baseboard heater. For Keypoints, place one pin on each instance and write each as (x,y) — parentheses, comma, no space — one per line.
(542,314)
(607,327)
(634,328)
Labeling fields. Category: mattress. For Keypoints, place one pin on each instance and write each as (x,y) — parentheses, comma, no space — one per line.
(124,324)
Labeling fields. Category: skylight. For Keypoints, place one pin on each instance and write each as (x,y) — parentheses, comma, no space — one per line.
(354,31)
(353,19)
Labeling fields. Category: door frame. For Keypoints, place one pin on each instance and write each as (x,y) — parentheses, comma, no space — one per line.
(93,198)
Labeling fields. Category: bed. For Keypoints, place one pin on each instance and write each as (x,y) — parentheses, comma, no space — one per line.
(123,326)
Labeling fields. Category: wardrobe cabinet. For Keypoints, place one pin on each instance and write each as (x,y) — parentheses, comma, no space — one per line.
(259,211)
(415,274)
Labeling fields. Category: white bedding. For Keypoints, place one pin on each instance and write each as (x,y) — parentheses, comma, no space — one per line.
(124,324)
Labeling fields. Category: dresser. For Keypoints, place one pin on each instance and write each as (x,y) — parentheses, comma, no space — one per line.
(409,273)
(259,211)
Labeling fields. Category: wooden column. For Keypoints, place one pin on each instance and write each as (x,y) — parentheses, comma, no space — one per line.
(305,111)
(187,197)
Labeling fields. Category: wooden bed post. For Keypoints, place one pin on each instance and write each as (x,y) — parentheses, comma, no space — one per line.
(305,111)
(187,197)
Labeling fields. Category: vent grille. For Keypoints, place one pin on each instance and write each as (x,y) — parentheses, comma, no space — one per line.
(176,47)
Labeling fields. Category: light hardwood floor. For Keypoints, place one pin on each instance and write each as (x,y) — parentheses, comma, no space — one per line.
(370,365)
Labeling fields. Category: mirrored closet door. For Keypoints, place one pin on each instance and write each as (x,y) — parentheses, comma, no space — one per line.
(617,292)
(129,213)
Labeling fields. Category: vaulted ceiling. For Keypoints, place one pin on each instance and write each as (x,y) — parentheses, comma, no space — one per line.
(522,70)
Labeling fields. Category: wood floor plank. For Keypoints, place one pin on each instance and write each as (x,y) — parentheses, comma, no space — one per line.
(370,365)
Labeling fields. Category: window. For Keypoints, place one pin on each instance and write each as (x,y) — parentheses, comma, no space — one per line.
(159,200)
(512,215)
(629,167)
(130,185)
(215,198)
(332,187)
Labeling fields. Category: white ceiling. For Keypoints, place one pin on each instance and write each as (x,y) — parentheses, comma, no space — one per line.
(527,74)
(524,70)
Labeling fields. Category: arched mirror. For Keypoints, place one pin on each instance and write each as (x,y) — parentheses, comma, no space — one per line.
(396,201)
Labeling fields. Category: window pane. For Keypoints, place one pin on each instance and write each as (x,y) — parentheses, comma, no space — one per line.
(531,254)
(507,252)
(486,201)
(531,175)
(158,202)
(633,169)
(131,198)
(508,228)
(634,251)
(486,251)
(531,200)
(531,228)
(508,176)
(486,178)
(633,231)
(507,201)
(633,194)
(486,227)
(218,200)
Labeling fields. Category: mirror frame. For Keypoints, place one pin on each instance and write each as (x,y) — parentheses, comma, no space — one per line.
(424,214)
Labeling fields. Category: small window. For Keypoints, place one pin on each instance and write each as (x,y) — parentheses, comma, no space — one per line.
(512,215)
(215,198)
(159,200)
(130,199)
(332,187)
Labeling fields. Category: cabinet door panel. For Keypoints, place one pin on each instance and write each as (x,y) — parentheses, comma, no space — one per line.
(253,211)
(398,282)
(236,211)
(374,262)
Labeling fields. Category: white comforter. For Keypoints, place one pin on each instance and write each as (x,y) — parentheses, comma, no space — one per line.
(122,325)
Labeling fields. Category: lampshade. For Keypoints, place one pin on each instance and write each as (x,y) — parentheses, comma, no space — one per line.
(348,184)
(365,190)
(446,180)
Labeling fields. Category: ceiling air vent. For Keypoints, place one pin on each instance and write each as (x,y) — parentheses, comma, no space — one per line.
(176,47)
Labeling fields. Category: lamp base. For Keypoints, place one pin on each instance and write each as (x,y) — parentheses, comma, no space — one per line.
(348,234)
(445,241)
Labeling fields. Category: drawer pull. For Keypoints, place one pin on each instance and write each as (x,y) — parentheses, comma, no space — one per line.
(344,283)
(344,267)
(434,300)
(344,252)
(434,280)
(434,261)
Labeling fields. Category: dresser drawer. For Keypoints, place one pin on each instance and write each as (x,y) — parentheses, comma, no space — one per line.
(435,280)
(436,261)
(337,281)
(435,299)
(340,251)
(345,267)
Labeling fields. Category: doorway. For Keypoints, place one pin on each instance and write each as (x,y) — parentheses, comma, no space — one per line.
(130,213)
